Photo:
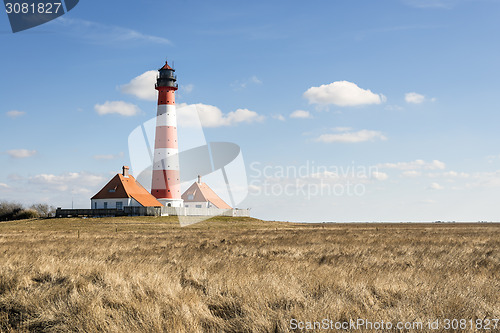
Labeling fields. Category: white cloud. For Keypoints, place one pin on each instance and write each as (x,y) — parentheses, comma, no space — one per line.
(456,174)
(492,158)
(300,114)
(15,177)
(21,153)
(188,88)
(243,115)
(342,129)
(104,157)
(142,86)
(108,156)
(57,189)
(411,174)
(435,186)
(279,117)
(320,179)
(104,34)
(15,113)
(254,188)
(414,98)
(74,182)
(414,165)
(118,107)
(255,80)
(485,180)
(324,175)
(435,164)
(449,174)
(378,175)
(3,185)
(212,116)
(445,4)
(342,93)
(238,85)
(352,137)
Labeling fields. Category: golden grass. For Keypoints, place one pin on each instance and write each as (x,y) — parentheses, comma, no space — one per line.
(142,274)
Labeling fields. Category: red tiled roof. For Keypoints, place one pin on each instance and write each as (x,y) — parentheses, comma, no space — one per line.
(166,66)
(202,193)
(127,187)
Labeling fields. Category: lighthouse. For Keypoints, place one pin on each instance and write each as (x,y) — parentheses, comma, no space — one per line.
(166,177)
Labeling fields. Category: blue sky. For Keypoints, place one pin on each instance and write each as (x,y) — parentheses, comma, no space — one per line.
(407,89)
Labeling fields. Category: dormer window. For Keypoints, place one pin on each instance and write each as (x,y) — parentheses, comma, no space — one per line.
(190,197)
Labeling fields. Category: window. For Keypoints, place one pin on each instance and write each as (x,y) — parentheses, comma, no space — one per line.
(112,190)
(119,205)
(198,206)
(95,205)
(190,197)
(105,205)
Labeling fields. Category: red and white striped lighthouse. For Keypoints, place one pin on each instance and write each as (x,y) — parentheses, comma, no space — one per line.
(166,178)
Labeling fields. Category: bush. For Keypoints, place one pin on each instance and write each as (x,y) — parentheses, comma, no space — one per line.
(15,211)
(26,214)
(9,209)
(44,210)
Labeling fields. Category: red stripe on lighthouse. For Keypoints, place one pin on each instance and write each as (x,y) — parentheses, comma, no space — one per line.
(166,137)
(171,188)
(166,97)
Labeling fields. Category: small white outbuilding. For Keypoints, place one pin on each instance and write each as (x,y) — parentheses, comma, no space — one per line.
(200,195)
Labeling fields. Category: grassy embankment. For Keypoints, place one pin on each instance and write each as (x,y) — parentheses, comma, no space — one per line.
(240,275)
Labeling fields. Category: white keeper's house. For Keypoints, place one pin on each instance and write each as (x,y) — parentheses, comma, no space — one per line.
(122,191)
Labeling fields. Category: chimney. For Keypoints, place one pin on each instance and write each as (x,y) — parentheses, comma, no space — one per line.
(125,171)
(199,179)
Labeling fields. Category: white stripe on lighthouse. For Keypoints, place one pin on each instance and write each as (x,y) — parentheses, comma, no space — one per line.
(166,159)
(166,115)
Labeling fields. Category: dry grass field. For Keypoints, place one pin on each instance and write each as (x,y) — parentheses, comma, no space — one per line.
(142,274)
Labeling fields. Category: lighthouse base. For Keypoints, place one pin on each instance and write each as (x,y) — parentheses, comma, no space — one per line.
(171,202)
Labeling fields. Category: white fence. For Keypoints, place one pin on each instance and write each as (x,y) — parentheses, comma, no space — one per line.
(193,211)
